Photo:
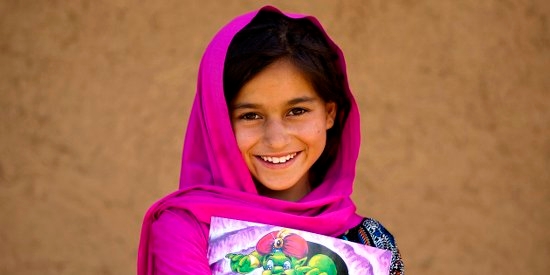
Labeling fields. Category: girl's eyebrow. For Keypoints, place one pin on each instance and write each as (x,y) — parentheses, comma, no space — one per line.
(245,106)
(294,101)
(299,100)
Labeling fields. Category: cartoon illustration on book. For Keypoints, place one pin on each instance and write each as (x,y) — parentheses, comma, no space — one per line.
(241,247)
(282,252)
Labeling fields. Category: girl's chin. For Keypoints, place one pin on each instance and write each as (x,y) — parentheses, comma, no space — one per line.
(289,191)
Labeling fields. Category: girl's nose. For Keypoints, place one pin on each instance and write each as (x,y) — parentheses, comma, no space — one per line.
(276,134)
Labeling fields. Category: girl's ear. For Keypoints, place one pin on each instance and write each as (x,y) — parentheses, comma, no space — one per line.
(330,107)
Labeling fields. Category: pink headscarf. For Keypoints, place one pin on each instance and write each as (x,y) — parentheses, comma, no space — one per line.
(215,180)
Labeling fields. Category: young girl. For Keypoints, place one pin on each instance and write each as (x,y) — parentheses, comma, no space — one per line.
(273,138)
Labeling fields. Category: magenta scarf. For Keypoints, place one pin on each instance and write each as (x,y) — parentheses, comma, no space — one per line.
(215,180)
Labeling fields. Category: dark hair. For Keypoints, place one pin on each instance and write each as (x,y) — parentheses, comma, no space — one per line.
(272,36)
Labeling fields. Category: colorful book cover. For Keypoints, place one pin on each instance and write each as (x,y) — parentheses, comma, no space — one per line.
(240,247)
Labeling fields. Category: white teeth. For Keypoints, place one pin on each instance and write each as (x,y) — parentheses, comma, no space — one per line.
(279,160)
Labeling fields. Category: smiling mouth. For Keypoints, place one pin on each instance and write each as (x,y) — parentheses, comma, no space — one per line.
(277,160)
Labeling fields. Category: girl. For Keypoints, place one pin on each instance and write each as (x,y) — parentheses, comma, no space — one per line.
(273,138)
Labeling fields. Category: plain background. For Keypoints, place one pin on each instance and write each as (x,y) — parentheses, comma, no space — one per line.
(454,95)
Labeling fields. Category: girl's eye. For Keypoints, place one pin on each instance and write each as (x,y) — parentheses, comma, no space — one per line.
(249,116)
(297,111)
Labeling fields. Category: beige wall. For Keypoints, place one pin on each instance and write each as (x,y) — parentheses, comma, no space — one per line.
(455,101)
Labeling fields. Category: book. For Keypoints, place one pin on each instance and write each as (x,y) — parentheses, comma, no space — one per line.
(242,247)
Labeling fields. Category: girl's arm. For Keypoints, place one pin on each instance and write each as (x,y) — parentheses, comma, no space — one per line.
(179,245)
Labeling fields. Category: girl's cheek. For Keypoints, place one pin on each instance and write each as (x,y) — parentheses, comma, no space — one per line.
(245,137)
(310,128)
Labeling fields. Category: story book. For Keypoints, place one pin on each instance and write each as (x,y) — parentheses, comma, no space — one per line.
(241,247)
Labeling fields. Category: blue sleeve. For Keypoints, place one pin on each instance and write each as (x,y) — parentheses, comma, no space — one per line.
(378,236)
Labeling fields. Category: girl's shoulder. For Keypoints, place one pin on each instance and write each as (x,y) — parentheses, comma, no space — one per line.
(371,232)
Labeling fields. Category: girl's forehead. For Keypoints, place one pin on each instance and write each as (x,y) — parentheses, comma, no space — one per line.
(281,81)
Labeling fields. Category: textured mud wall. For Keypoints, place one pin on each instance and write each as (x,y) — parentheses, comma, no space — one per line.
(455,99)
